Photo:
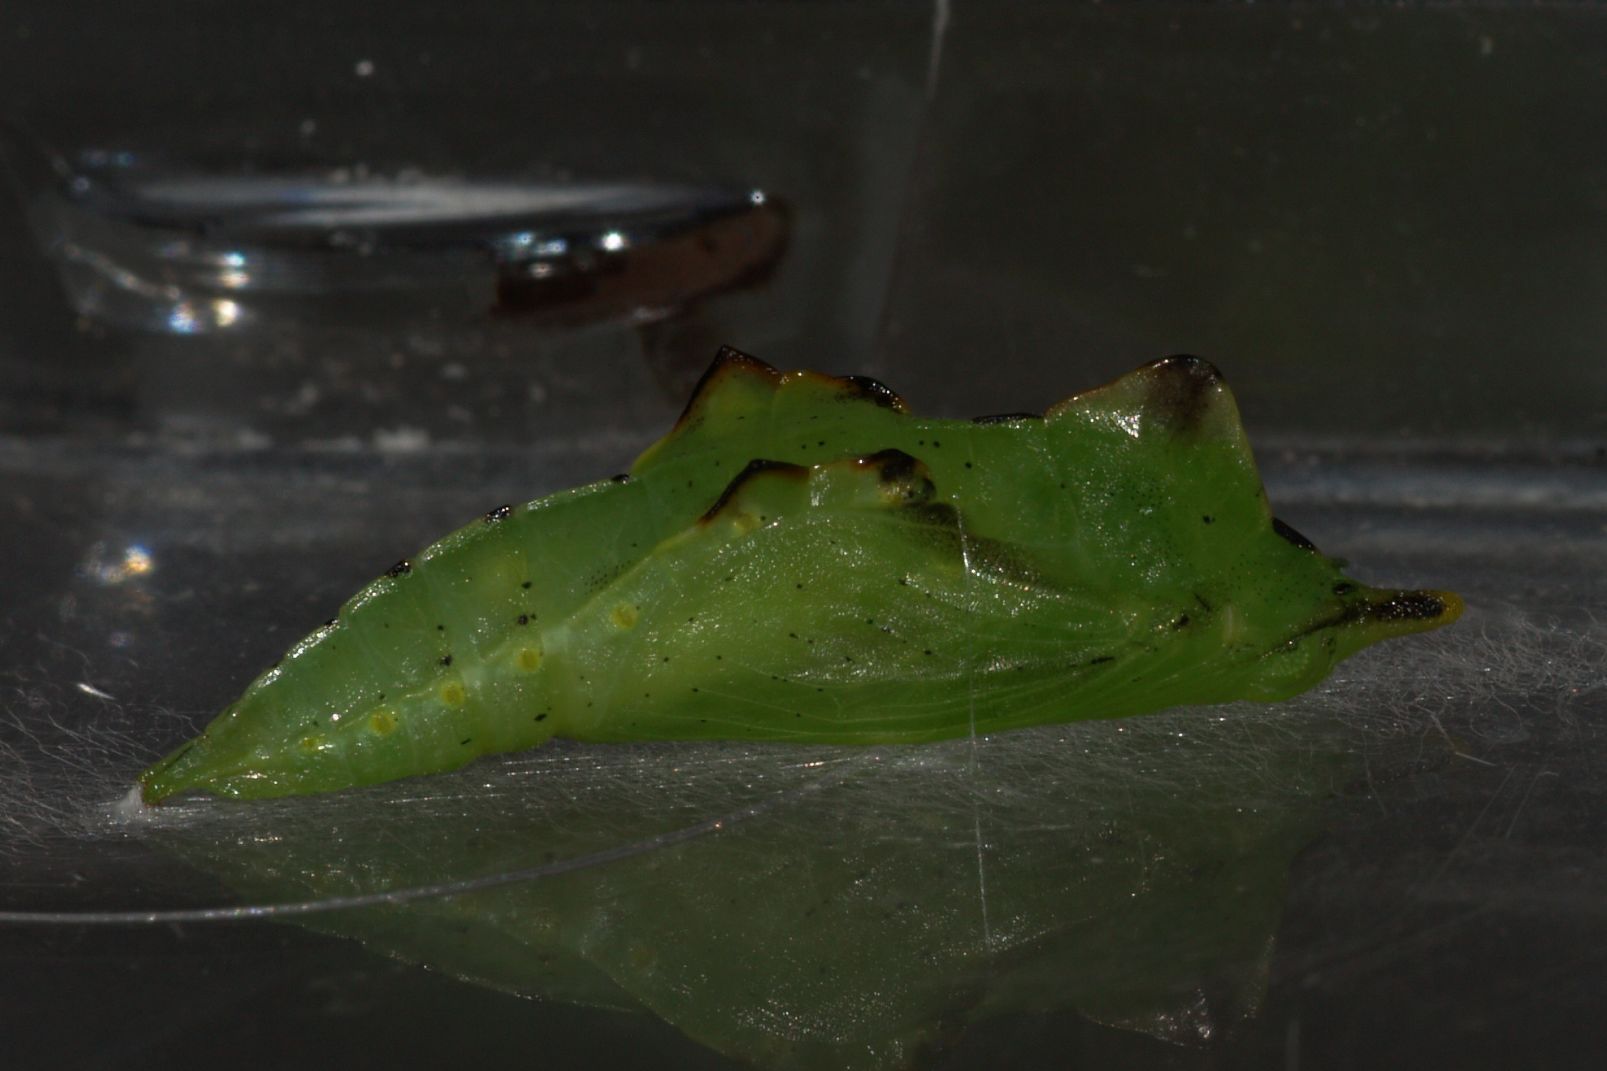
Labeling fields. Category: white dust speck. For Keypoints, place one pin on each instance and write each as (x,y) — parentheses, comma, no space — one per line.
(132,808)
(401,440)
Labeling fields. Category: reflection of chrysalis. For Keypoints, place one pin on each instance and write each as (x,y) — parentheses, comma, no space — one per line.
(801,559)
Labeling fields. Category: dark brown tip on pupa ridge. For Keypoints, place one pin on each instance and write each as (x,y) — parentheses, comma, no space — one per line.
(728,354)
(1398,612)
(1289,534)
(728,361)
(1181,389)
(1404,606)
(864,388)
(905,476)
(752,471)
(1178,394)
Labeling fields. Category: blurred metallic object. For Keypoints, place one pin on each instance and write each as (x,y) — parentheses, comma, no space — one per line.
(153,244)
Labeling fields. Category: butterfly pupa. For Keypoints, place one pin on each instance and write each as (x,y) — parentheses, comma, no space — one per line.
(803,559)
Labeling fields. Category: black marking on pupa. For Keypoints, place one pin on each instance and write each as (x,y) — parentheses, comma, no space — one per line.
(1408,606)
(1006,418)
(1181,389)
(401,568)
(865,388)
(621,477)
(892,466)
(896,469)
(754,469)
(1293,536)
(501,513)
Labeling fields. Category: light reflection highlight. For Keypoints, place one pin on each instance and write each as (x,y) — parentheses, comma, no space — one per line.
(135,561)
(181,319)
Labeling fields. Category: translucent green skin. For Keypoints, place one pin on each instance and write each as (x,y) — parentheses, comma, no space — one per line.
(800,559)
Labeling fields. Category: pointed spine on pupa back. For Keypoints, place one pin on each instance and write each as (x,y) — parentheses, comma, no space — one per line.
(739,390)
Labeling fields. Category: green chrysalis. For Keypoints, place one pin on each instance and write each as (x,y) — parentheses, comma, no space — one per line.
(802,559)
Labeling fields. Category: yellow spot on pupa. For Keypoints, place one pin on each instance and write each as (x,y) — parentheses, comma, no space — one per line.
(528,658)
(313,743)
(624,616)
(452,693)
(383,721)
(744,522)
